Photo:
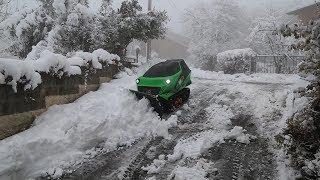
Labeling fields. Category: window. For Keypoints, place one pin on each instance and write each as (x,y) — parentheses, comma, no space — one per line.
(163,69)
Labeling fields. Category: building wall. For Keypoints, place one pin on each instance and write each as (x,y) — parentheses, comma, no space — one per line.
(307,14)
(167,49)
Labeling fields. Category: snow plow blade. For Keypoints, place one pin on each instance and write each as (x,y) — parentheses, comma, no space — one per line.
(155,101)
(141,95)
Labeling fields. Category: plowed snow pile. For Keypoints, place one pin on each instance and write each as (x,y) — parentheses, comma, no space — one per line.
(65,133)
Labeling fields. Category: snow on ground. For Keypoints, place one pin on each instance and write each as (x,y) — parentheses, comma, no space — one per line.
(253,78)
(156,165)
(196,172)
(65,133)
(271,99)
(193,146)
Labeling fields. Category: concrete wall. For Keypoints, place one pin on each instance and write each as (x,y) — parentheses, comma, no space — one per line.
(19,110)
(174,46)
(307,14)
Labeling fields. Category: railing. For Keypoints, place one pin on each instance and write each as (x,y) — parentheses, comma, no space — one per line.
(284,64)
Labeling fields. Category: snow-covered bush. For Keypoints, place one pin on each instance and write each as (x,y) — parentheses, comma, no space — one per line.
(54,64)
(236,61)
(26,72)
(13,72)
(214,27)
(304,126)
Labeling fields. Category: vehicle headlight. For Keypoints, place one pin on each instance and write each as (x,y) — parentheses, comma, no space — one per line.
(168,81)
(137,81)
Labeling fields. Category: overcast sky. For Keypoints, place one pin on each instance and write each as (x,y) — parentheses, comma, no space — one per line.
(176,8)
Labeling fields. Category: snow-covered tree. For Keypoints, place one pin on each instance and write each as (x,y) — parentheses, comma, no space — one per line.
(26,29)
(304,126)
(215,27)
(62,26)
(137,25)
(265,37)
(76,32)
(4,9)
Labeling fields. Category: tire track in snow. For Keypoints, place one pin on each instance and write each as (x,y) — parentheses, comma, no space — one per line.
(232,159)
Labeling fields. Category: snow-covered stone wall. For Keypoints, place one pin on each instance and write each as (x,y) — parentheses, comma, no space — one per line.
(27,86)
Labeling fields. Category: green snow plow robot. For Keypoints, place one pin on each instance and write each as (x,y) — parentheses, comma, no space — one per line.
(165,85)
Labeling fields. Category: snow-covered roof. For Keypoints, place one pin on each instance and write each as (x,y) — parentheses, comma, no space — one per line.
(300,9)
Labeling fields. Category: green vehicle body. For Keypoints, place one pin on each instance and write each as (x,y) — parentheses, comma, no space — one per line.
(166,90)
(178,81)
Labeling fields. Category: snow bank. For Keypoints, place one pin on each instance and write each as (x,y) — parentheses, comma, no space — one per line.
(63,134)
(18,71)
(253,78)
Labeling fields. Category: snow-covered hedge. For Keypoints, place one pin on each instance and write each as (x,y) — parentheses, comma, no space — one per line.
(236,61)
(27,71)
(14,71)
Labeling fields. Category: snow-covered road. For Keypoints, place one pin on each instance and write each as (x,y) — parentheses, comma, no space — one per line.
(225,131)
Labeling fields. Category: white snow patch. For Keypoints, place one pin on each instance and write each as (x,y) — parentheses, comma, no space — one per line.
(105,56)
(89,57)
(73,19)
(231,54)
(59,7)
(237,133)
(51,63)
(197,172)
(156,165)
(219,115)
(17,70)
(193,146)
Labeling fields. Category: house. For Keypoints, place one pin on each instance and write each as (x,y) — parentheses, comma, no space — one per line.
(308,13)
(173,46)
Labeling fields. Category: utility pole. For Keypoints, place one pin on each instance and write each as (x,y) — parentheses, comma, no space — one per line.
(149,41)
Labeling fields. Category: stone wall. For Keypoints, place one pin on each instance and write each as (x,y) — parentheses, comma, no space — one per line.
(19,110)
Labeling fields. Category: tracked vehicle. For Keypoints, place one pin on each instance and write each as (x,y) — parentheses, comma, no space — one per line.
(165,85)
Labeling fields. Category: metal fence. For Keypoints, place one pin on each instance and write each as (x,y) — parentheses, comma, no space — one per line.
(284,64)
